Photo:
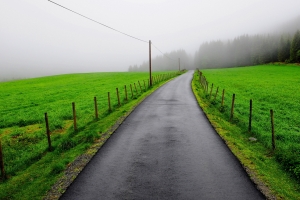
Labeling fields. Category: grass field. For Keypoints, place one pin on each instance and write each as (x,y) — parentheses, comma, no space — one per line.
(30,167)
(273,86)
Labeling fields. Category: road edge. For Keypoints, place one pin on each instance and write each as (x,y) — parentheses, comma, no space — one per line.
(260,185)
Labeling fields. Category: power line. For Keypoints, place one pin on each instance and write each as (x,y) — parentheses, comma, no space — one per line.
(98,22)
(162,52)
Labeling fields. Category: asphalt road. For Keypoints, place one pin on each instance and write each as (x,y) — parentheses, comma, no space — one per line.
(165,149)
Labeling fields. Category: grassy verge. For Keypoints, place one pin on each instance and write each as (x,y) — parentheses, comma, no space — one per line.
(30,167)
(257,158)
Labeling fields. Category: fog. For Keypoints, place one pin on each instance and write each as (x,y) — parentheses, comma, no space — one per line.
(39,38)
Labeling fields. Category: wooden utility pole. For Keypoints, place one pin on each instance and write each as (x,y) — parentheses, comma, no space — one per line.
(150,63)
(179,63)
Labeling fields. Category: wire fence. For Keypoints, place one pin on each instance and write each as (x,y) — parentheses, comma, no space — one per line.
(115,100)
(257,123)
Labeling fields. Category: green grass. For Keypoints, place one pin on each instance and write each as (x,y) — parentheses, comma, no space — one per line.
(31,169)
(271,86)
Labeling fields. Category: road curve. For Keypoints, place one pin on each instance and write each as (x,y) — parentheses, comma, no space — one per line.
(165,149)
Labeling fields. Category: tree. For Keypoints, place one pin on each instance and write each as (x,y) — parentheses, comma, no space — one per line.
(284,49)
(295,48)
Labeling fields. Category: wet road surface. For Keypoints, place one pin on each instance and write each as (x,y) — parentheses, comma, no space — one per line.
(165,149)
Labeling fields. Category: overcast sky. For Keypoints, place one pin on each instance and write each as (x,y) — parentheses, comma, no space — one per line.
(39,38)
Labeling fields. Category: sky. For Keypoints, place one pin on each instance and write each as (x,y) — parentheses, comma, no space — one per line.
(40,38)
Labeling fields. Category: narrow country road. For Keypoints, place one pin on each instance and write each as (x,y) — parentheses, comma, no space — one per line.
(166,149)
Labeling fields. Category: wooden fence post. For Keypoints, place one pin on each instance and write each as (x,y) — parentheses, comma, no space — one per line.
(74,116)
(140,86)
(232,107)
(145,86)
(3,175)
(136,89)
(126,98)
(250,117)
(109,106)
(273,130)
(96,107)
(48,132)
(212,86)
(119,103)
(131,91)
(207,86)
(223,93)
(216,93)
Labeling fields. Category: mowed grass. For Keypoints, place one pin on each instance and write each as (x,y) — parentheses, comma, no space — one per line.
(273,86)
(32,169)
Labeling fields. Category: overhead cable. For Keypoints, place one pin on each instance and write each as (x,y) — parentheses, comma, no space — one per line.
(162,52)
(97,22)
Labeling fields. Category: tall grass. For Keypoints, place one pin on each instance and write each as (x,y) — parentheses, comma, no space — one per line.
(273,86)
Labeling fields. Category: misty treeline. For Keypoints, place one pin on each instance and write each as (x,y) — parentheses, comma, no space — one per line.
(168,61)
(283,45)
(249,50)
(244,50)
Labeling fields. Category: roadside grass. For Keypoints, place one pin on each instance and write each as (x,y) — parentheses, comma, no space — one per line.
(31,169)
(272,86)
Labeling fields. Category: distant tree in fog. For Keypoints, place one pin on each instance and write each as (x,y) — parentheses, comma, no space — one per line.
(284,49)
(295,48)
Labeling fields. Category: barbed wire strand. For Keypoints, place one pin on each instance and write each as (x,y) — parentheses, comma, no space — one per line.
(98,22)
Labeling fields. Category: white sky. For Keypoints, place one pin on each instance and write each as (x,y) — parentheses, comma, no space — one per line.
(40,38)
